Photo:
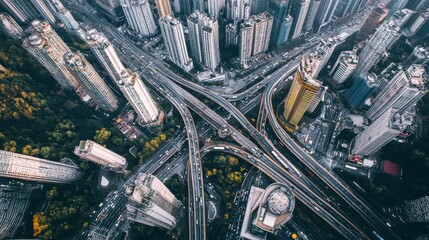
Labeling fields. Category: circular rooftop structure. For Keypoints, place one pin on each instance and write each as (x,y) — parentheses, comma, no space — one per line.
(278,202)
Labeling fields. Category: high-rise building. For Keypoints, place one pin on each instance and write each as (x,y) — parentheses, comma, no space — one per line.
(383,130)
(374,19)
(174,39)
(111,9)
(198,5)
(231,35)
(396,5)
(94,152)
(10,26)
(362,88)
(304,88)
(298,11)
(185,6)
(323,52)
(344,7)
(204,39)
(15,198)
(48,48)
(262,25)
(344,66)
(139,97)
(44,10)
(383,38)
(164,8)
(324,14)
(237,9)
(139,17)
(105,52)
(210,41)
(258,6)
(417,5)
(63,14)
(401,93)
(88,77)
(285,29)
(267,211)
(22,10)
(255,36)
(214,7)
(151,203)
(279,10)
(420,21)
(420,55)
(128,82)
(311,15)
(246,41)
(20,166)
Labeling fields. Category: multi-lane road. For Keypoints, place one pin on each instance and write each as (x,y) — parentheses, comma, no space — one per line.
(268,159)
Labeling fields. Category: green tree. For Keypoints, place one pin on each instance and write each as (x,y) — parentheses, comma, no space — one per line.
(102,135)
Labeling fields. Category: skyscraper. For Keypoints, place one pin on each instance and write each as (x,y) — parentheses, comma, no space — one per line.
(262,25)
(298,11)
(323,52)
(48,48)
(139,17)
(22,10)
(231,35)
(420,55)
(311,15)
(43,8)
(344,66)
(374,19)
(139,97)
(164,8)
(246,41)
(151,203)
(128,82)
(285,29)
(112,9)
(105,53)
(198,5)
(417,5)
(384,37)
(94,152)
(279,10)
(401,93)
(174,39)
(258,6)
(304,88)
(210,41)
(63,14)
(420,21)
(10,27)
(362,88)
(86,74)
(255,36)
(237,9)
(204,39)
(20,166)
(185,6)
(324,14)
(383,130)
(214,7)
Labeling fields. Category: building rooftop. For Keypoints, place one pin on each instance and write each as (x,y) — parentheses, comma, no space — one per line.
(308,65)
(275,207)
(417,75)
(392,168)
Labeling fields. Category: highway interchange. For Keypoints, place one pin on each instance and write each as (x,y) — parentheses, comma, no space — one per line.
(264,157)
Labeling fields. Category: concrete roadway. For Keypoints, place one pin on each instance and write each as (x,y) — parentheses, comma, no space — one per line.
(330,178)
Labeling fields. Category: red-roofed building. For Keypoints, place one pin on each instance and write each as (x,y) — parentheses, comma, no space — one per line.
(392,168)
